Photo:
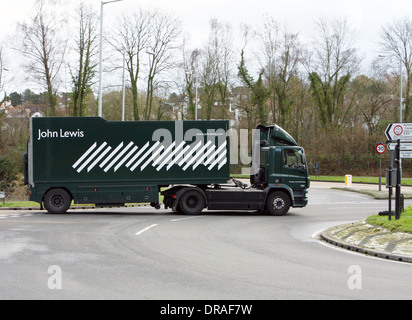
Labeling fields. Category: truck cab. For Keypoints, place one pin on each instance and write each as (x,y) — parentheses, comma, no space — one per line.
(278,181)
(282,169)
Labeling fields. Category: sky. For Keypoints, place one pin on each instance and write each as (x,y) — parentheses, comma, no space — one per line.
(365,17)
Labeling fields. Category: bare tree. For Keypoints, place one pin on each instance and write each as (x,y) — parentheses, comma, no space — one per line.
(396,40)
(44,48)
(223,34)
(209,79)
(333,62)
(131,37)
(217,69)
(268,38)
(2,81)
(86,49)
(164,35)
(279,58)
(191,66)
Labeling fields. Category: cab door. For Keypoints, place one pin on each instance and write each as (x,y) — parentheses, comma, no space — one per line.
(294,168)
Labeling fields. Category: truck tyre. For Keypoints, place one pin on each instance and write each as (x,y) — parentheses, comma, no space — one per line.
(192,202)
(57,201)
(278,203)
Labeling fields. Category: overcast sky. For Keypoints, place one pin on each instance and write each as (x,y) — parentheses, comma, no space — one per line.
(366,17)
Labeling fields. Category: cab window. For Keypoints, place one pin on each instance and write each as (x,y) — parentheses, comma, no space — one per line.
(294,158)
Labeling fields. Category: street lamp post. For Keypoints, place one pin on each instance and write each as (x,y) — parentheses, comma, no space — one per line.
(195,81)
(101,52)
(196,100)
(400,93)
(123,83)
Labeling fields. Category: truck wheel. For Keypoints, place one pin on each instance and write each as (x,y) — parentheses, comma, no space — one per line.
(57,201)
(192,202)
(278,203)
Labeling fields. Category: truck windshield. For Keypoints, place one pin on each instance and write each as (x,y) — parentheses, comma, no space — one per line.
(294,158)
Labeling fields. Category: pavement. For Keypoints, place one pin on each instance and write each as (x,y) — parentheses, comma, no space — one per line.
(364,238)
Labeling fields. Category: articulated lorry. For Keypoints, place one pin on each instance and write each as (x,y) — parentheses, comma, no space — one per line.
(91,160)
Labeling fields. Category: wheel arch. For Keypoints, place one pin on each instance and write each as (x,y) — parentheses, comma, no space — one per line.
(281,187)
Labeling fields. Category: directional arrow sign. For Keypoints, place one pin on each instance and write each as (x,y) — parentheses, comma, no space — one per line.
(405,146)
(402,131)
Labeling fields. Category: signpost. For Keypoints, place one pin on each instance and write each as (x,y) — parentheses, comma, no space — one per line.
(380,148)
(400,144)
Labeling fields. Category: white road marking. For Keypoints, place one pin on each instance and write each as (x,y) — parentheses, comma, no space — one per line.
(180,219)
(145,229)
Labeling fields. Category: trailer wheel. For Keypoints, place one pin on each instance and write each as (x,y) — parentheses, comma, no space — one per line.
(278,203)
(57,200)
(192,202)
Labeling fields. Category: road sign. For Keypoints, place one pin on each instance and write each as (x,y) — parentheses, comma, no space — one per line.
(380,148)
(405,146)
(402,131)
(406,154)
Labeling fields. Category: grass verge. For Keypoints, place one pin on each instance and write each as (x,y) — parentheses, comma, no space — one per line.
(374,180)
(404,224)
(19,204)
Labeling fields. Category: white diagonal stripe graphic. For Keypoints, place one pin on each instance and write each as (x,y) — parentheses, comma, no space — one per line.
(91,157)
(125,158)
(222,164)
(85,155)
(137,154)
(223,145)
(118,157)
(164,154)
(99,158)
(177,158)
(223,154)
(212,149)
(111,155)
(188,157)
(154,155)
(184,155)
(171,155)
(144,156)
(199,153)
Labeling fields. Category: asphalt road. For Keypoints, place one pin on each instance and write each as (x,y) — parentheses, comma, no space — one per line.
(142,253)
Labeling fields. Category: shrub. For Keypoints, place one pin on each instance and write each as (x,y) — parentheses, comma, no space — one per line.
(8,174)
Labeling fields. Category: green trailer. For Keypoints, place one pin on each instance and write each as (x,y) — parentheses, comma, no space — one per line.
(91,160)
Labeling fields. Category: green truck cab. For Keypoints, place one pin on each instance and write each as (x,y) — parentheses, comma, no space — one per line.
(282,171)
(111,163)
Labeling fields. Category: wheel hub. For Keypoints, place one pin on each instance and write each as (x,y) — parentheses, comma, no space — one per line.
(278,204)
(56,201)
